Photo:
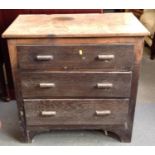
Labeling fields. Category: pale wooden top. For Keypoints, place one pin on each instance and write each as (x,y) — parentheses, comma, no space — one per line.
(75,25)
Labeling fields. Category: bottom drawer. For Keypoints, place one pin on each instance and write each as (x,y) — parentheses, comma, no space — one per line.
(76,111)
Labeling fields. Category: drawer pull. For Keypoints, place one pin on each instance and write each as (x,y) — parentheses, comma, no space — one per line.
(47,85)
(48,113)
(103,112)
(44,57)
(104,85)
(106,57)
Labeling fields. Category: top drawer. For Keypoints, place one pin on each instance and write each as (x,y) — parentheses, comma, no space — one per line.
(76,57)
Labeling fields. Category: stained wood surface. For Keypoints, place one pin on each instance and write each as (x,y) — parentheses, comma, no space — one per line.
(37,124)
(75,112)
(68,57)
(74,85)
(75,25)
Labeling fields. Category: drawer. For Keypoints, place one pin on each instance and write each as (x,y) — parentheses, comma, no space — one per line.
(76,111)
(75,84)
(76,57)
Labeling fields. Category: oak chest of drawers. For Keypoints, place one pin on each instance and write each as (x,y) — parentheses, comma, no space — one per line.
(76,71)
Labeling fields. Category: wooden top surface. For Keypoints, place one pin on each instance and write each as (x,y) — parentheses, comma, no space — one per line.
(75,25)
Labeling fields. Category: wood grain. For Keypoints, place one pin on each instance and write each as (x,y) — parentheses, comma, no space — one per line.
(75,25)
(75,84)
(68,57)
(124,131)
(72,96)
(76,112)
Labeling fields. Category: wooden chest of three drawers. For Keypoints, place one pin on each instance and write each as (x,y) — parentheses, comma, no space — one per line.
(76,71)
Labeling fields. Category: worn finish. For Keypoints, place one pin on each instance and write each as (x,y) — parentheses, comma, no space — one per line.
(77,82)
(76,112)
(123,131)
(79,25)
(6,18)
(76,57)
(75,85)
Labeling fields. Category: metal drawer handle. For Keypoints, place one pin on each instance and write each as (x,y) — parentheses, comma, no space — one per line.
(47,85)
(103,112)
(48,113)
(106,57)
(104,85)
(44,57)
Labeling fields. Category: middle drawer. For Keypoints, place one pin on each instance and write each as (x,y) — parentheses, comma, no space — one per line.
(75,84)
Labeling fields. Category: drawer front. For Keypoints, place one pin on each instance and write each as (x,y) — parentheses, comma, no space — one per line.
(74,57)
(74,112)
(75,85)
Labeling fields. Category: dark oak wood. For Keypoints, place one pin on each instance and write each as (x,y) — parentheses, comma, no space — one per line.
(124,131)
(75,84)
(73,92)
(30,132)
(76,57)
(6,18)
(76,112)
(134,86)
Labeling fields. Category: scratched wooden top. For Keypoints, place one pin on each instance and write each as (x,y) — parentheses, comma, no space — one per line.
(75,25)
